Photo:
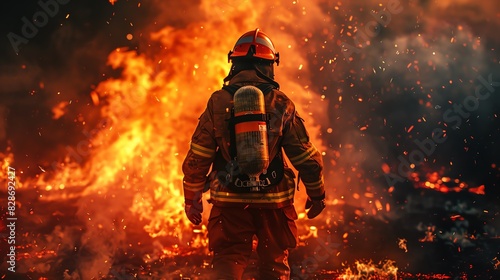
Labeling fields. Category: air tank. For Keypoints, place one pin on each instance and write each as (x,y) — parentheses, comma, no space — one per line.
(251,132)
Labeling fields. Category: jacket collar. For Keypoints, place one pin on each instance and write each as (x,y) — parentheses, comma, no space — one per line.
(247,77)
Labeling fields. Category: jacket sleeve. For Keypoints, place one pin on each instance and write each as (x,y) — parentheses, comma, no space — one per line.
(200,156)
(304,156)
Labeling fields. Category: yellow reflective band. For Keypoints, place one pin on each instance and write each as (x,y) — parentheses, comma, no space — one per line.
(253,197)
(232,194)
(314,185)
(202,151)
(193,186)
(304,156)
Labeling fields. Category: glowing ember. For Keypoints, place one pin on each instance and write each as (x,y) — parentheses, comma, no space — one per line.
(444,184)
(402,244)
(368,270)
(429,235)
(59,110)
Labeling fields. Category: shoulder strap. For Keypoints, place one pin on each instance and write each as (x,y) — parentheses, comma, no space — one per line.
(266,88)
(231,89)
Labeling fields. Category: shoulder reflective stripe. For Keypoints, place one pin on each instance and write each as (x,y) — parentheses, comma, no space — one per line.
(202,151)
(193,186)
(304,156)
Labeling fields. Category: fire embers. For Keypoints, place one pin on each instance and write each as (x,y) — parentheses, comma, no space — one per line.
(251,131)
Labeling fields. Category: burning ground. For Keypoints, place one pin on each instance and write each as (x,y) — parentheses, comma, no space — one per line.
(402,98)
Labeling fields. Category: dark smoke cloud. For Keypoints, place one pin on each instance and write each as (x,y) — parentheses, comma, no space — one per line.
(402,77)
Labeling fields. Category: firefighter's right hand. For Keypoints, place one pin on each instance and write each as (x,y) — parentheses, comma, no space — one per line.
(193,210)
(315,207)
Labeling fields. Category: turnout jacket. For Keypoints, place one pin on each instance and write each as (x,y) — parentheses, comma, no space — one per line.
(286,132)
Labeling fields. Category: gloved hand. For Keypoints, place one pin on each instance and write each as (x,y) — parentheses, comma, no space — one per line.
(193,209)
(315,206)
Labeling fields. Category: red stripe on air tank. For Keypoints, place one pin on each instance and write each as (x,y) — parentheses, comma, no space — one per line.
(250,127)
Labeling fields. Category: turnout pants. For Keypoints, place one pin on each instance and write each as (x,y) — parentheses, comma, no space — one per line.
(230,233)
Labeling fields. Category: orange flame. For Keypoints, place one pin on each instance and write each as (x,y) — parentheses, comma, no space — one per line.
(435,181)
(368,270)
(132,177)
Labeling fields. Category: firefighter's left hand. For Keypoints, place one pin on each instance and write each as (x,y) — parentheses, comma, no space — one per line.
(315,207)
(193,210)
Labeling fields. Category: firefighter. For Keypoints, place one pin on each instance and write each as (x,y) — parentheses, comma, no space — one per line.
(262,207)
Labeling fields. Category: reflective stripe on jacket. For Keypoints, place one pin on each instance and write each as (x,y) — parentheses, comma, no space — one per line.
(286,131)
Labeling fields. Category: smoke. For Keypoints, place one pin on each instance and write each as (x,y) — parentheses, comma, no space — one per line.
(143,91)
(394,89)
(104,235)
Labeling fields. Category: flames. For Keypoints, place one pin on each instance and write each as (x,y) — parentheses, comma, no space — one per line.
(127,181)
(149,113)
(135,153)
(132,177)
(369,270)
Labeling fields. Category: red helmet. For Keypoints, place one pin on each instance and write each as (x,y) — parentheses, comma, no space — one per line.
(254,44)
